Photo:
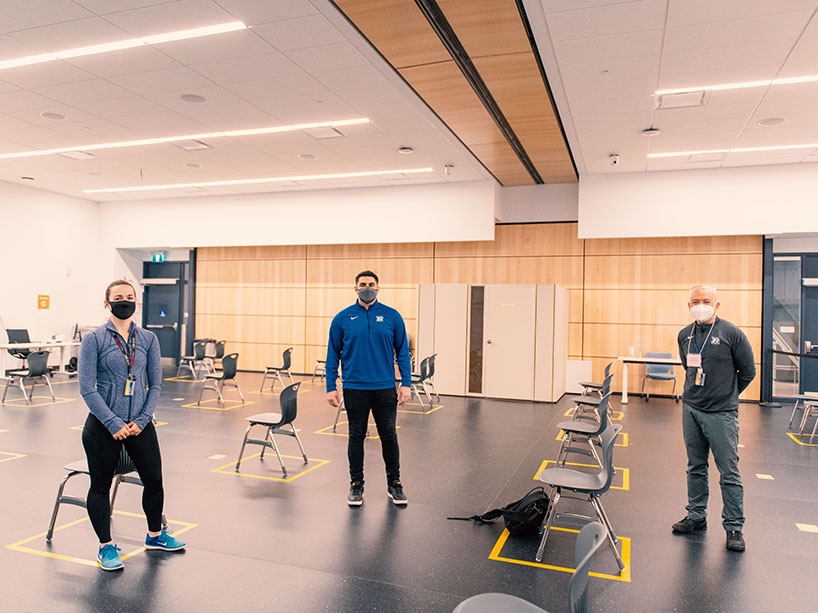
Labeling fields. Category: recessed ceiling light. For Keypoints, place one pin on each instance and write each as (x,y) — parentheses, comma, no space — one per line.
(681,100)
(673,154)
(406,150)
(27,178)
(772,121)
(191,145)
(171,139)
(192,165)
(127,43)
(307,156)
(650,132)
(48,115)
(195,98)
(340,175)
(740,85)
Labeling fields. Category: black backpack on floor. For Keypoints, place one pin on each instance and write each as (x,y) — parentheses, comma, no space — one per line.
(523,516)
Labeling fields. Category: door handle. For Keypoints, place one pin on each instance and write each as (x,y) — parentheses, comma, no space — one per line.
(488,342)
(154,326)
(807,346)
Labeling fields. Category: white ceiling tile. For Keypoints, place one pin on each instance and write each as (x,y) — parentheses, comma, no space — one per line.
(404,125)
(704,11)
(121,107)
(736,96)
(705,118)
(253,12)
(169,17)
(22,100)
(803,60)
(166,79)
(97,131)
(351,79)
(43,75)
(10,122)
(161,124)
(105,7)
(558,6)
(786,107)
(672,139)
(606,48)
(709,76)
(7,87)
(781,27)
(607,20)
(213,95)
(798,130)
(281,87)
(812,29)
(308,108)
(660,164)
(242,43)
(741,56)
(71,114)
(12,48)
(299,33)
(36,137)
(68,35)
(83,91)
(327,57)
(23,14)
(265,66)
(127,61)
(229,116)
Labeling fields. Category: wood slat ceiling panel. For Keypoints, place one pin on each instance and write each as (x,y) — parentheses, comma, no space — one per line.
(487,27)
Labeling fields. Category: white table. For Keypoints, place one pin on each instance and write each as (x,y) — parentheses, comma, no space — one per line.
(640,360)
(47,345)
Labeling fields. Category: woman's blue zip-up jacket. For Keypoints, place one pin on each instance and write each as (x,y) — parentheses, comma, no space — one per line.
(103,372)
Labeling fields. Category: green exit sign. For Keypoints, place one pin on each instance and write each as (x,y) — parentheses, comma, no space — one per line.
(158,256)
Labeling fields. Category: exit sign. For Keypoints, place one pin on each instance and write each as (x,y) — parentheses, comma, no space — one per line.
(158,256)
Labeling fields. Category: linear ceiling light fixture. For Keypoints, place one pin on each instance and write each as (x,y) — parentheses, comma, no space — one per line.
(675,154)
(172,139)
(339,175)
(742,85)
(118,45)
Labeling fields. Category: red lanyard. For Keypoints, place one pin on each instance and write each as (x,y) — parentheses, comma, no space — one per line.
(128,355)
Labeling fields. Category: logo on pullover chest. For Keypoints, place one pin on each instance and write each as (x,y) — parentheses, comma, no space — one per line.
(379,318)
(715,341)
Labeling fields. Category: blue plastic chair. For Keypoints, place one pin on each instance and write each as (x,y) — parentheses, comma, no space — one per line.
(659,372)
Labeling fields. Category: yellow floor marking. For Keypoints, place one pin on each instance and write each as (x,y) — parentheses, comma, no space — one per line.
(807,527)
(82,426)
(794,435)
(184,379)
(626,473)
(229,405)
(765,476)
(20,402)
(625,575)
(372,427)
(270,455)
(624,436)
(18,546)
(433,408)
(13,456)
(613,415)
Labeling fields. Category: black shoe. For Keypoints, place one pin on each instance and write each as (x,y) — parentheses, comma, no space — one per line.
(735,541)
(356,494)
(689,526)
(395,492)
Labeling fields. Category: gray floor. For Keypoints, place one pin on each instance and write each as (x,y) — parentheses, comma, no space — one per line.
(261,544)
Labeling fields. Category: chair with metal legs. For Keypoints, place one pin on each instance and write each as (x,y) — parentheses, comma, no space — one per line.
(587,406)
(275,371)
(122,474)
(584,429)
(590,485)
(227,377)
(430,379)
(217,355)
(338,412)
(37,362)
(590,386)
(659,372)
(192,362)
(419,382)
(589,541)
(320,370)
(275,422)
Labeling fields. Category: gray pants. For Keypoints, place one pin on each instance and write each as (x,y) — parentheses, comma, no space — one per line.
(718,432)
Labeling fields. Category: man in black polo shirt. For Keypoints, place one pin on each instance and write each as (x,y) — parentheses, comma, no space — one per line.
(719,366)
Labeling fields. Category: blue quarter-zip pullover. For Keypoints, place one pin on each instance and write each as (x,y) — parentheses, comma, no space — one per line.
(366,342)
(102,371)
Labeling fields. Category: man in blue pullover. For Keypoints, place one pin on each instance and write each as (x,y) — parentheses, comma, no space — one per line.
(367,339)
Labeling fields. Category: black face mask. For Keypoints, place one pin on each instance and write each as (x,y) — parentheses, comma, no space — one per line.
(123,309)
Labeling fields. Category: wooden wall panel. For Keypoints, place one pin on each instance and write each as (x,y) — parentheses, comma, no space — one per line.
(373,251)
(575,340)
(330,300)
(549,270)
(678,245)
(252,328)
(251,300)
(261,252)
(392,272)
(519,240)
(251,273)
(255,356)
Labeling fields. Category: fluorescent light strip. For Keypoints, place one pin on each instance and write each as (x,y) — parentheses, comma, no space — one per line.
(741,85)
(171,139)
(118,45)
(675,154)
(340,175)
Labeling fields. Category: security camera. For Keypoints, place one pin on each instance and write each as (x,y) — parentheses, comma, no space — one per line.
(614,157)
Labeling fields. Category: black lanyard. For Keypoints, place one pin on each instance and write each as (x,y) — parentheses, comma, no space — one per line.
(128,355)
(692,340)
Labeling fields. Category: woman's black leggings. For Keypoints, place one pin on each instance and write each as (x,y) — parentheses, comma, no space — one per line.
(103,452)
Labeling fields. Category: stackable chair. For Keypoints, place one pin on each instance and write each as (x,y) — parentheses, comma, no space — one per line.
(218,354)
(659,372)
(810,410)
(588,387)
(275,422)
(122,474)
(430,378)
(585,429)
(587,406)
(419,382)
(194,361)
(589,541)
(37,362)
(338,412)
(591,485)
(216,382)
(320,370)
(275,371)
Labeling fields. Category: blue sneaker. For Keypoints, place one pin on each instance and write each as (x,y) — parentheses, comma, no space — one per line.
(164,541)
(108,558)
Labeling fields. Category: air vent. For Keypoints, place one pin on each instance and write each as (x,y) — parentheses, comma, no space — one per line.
(322,133)
(191,145)
(77,155)
(679,101)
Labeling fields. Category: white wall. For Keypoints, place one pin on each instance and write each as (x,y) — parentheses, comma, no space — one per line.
(50,245)
(532,203)
(749,200)
(438,212)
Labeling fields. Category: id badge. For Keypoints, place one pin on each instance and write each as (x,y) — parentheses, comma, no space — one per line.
(130,382)
(694,360)
(700,378)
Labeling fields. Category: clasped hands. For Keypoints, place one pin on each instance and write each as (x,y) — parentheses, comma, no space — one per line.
(129,429)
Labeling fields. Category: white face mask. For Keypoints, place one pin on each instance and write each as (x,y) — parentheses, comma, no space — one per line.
(702,312)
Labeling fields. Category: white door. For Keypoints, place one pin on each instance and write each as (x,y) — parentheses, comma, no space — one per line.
(508,341)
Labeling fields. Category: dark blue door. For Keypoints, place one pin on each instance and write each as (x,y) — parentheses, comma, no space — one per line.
(809,323)
(162,305)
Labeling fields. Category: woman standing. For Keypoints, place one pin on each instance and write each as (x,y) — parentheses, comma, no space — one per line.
(120,376)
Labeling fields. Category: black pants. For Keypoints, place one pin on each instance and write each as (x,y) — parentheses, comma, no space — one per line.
(384,407)
(102,451)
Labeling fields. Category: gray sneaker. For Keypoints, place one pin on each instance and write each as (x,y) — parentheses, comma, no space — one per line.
(356,494)
(395,491)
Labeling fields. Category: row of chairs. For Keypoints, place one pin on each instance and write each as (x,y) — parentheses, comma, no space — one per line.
(201,358)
